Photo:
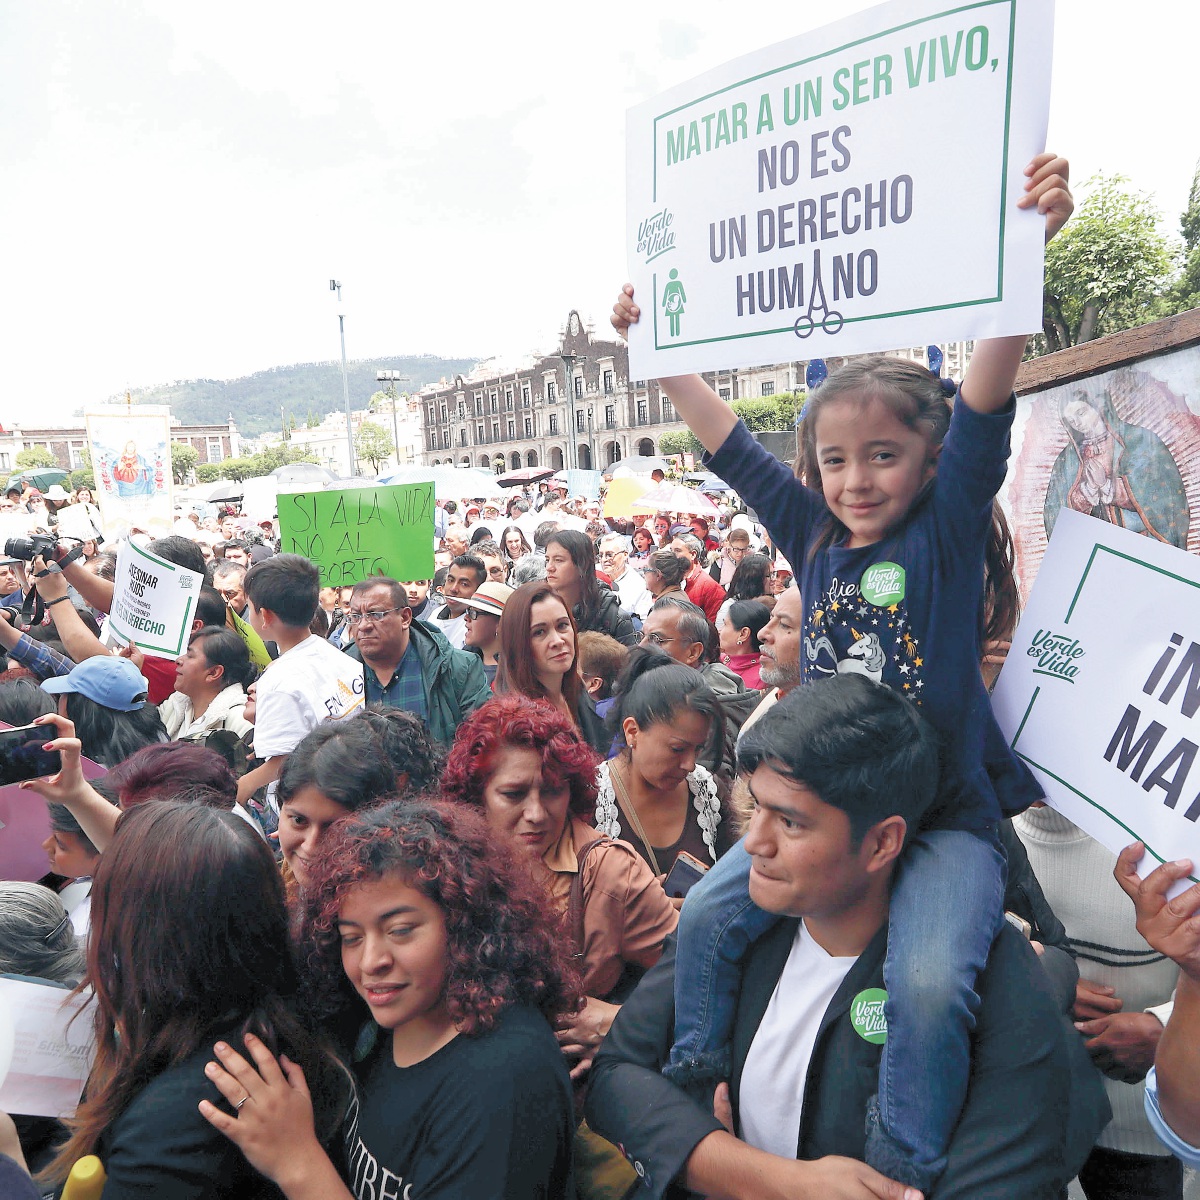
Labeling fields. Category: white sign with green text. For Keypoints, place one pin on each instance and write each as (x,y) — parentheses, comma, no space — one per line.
(1100,694)
(849,190)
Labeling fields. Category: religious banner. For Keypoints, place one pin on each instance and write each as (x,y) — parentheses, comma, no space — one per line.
(131,463)
(153,602)
(1101,688)
(849,190)
(357,532)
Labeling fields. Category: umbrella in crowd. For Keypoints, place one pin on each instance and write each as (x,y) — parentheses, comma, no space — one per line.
(643,464)
(623,494)
(449,482)
(524,475)
(305,474)
(41,477)
(675,498)
(223,491)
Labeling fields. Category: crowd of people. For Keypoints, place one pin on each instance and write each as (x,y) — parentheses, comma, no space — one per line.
(619,856)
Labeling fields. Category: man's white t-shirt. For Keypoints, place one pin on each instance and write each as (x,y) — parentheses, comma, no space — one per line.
(454,629)
(310,683)
(771,1095)
(634,595)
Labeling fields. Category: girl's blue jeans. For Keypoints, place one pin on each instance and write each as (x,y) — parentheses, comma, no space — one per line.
(947,906)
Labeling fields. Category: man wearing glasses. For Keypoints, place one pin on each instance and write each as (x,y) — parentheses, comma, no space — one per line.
(629,585)
(410,665)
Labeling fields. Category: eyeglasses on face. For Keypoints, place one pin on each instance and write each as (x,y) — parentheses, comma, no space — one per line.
(374,616)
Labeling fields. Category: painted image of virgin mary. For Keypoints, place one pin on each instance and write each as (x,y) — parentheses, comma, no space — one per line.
(1119,472)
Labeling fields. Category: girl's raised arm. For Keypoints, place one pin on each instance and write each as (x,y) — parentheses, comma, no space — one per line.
(707,415)
(993,367)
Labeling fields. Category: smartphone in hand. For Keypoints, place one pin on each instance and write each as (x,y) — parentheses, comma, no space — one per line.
(22,756)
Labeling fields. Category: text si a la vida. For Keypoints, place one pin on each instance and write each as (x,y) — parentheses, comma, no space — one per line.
(811,112)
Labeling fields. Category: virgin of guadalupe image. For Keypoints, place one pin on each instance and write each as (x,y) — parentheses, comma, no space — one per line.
(1119,472)
(132,473)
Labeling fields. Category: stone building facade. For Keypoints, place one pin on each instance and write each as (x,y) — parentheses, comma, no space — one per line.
(578,407)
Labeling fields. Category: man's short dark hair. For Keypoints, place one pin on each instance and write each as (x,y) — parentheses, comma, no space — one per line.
(288,585)
(472,562)
(397,591)
(225,569)
(693,624)
(181,551)
(543,533)
(855,744)
(210,606)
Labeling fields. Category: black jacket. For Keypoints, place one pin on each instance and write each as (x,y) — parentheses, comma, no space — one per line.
(1012,1141)
(609,617)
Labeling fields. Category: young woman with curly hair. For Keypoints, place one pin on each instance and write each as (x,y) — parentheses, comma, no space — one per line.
(527,767)
(461,1087)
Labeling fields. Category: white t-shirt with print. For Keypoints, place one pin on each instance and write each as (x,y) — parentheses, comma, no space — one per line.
(310,683)
(771,1095)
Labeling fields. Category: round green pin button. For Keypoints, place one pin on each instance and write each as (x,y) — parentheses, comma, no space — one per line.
(883,584)
(866,1015)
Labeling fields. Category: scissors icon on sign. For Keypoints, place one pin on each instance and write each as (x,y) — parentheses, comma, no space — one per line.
(831,320)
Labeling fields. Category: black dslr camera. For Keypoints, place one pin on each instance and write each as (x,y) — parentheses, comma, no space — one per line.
(28,548)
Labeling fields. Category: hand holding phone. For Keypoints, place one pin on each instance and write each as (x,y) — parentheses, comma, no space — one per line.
(22,754)
(685,873)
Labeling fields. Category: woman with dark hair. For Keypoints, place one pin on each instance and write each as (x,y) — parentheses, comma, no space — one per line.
(189,943)
(211,678)
(753,579)
(514,544)
(415,757)
(571,572)
(338,768)
(655,793)
(643,545)
(106,700)
(462,1091)
(744,621)
(526,766)
(540,660)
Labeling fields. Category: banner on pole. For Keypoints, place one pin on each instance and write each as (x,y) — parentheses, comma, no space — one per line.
(357,532)
(848,190)
(131,463)
(1100,693)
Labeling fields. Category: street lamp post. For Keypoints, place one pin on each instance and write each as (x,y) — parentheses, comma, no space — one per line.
(336,286)
(570,361)
(391,378)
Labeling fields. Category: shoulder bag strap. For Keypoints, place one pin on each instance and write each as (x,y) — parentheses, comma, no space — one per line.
(626,806)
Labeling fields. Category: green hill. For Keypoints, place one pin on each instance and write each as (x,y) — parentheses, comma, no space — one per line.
(302,390)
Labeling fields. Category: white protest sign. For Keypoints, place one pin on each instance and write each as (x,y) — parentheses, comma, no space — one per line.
(849,190)
(153,602)
(51,1052)
(1100,693)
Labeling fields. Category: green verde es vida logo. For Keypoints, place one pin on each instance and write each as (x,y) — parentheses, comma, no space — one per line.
(866,1015)
(883,584)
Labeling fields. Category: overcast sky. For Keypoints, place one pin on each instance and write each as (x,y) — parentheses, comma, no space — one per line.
(181,181)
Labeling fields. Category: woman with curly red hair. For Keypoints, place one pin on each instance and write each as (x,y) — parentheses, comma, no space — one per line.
(461,1088)
(530,771)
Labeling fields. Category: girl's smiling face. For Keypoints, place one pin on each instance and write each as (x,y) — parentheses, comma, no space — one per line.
(873,466)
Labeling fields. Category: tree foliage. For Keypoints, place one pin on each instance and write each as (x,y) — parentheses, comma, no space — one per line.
(1186,293)
(35,456)
(1108,269)
(373,444)
(183,461)
(679,441)
(251,466)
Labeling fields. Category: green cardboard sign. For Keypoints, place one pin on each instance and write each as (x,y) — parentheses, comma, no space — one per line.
(358,532)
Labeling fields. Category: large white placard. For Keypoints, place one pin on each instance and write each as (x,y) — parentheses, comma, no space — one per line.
(52,1049)
(153,602)
(1100,694)
(849,190)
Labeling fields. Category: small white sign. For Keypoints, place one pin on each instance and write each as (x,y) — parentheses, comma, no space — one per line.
(52,1048)
(1100,694)
(153,602)
(852,189)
